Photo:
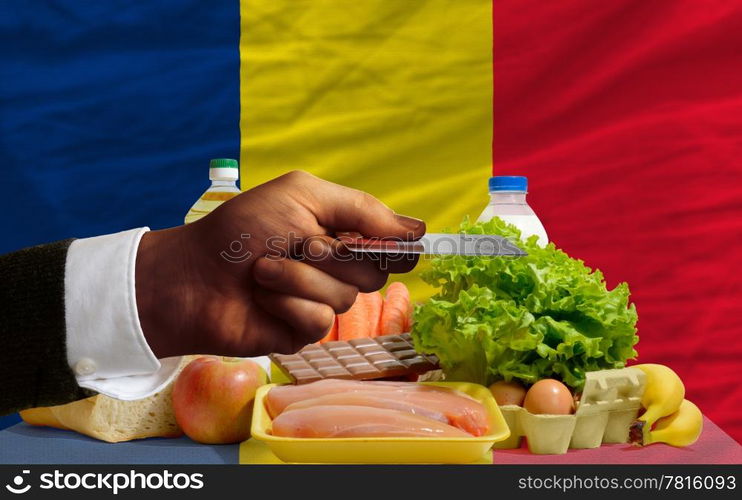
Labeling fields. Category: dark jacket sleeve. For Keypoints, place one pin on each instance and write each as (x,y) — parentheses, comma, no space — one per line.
(33,358)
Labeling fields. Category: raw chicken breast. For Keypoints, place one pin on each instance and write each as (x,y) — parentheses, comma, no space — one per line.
(283,395)
(358,421)
(371,399)
(439,403)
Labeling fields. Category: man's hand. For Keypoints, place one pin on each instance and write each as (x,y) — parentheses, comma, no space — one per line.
(263,273)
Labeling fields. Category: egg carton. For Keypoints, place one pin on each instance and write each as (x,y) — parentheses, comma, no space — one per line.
(610,402)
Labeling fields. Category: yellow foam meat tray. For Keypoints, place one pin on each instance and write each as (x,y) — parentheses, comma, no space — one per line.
(384,450)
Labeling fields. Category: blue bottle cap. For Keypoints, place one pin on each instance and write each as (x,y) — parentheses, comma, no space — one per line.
(508,183)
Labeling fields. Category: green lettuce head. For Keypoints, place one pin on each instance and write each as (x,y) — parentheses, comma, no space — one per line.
(546,315)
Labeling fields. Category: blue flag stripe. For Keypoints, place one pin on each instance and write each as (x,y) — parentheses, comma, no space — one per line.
(110,111)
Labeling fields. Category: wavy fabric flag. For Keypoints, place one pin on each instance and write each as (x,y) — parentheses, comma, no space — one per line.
(626,116)
(394,98)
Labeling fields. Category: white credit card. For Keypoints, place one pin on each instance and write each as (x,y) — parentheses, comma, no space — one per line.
(482,245)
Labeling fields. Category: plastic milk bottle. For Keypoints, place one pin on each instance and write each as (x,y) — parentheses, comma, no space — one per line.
(508,201)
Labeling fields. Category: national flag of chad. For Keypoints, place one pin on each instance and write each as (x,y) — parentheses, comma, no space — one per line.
(626,116)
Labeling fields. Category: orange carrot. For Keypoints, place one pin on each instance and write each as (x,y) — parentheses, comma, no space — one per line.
(332,334)
(408,317)
(362,319)
(374,304)
(395,312)
(351,321)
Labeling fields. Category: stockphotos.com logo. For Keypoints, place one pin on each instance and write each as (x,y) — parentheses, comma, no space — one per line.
(113,482)
(17,484)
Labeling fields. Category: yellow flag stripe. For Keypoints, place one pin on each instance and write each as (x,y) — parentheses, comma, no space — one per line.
(392,97)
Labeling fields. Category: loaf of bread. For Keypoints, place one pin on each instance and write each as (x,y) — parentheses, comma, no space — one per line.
(113,420)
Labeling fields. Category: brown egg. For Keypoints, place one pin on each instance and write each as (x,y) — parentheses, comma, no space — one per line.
(508,393)
(549,397)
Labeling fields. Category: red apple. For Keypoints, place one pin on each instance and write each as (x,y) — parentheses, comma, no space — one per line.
(213,398)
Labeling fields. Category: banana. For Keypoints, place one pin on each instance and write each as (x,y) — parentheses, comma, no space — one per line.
(682,428)
(663,394)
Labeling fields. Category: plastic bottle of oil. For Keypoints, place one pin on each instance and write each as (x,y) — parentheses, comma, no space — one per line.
(223,173)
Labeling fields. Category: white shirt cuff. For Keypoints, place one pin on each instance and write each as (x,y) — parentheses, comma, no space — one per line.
(106,348)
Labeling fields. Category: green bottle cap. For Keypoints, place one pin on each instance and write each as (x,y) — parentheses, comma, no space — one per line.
(223,163)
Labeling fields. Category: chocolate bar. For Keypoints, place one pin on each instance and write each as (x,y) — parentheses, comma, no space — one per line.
(387,356)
